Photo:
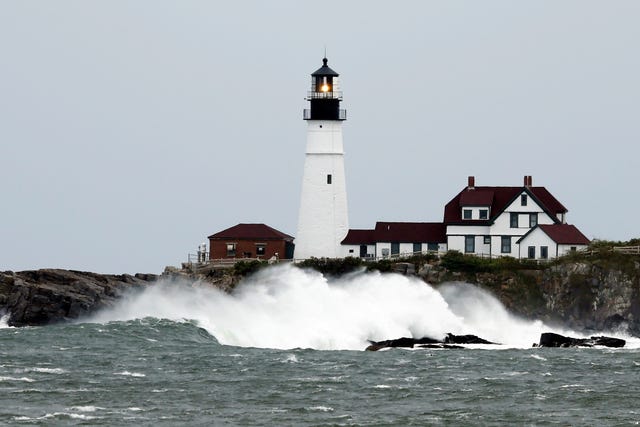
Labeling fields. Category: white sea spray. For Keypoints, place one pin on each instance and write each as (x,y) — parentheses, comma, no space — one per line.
(285,307)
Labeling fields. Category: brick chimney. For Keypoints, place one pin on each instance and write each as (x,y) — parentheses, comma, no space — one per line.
(528,180)
(471,183)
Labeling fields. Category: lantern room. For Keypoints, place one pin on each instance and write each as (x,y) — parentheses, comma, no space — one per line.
(325,95)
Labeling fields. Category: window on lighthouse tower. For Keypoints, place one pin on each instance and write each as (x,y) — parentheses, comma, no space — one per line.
(324,84)
(324,87)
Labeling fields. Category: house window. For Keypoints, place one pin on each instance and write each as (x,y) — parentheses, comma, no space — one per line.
(487,240)
(329,179)
(231,249)
(469,244)
(505,246)
(466,214)
(433,247)
(533,220)
(417,247)
(544,252)
(532,252)
(385,252)
(484,213)
(395,248)
(261,249)
(350,251)
(523,200)
(573,248)
(514,220)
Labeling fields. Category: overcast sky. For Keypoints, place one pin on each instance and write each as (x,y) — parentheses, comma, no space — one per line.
(132,130)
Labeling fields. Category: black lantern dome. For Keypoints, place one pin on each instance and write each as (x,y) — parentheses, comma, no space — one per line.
(325,95)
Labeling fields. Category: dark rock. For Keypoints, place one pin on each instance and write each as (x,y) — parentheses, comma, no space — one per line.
(615,321)
(450,346)
(608,341)
(40,297)
(465,339)
(405,268)
(399,342)
(427,342)
(549,339)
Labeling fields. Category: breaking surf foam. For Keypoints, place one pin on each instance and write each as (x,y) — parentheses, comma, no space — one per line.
(285,307)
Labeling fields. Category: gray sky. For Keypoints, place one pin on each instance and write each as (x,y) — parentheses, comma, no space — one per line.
(130,131)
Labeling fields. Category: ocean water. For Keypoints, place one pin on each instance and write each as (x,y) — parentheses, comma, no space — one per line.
(286,349)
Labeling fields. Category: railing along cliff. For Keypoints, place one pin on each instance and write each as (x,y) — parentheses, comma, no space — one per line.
(629,250)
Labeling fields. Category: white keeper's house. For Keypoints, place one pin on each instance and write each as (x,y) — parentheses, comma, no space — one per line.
(521,222)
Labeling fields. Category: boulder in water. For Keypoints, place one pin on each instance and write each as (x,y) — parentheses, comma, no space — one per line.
(465,339)
(550,339)
(449,341)
(401,342)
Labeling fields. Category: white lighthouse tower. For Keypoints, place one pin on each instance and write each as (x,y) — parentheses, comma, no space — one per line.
(323,220)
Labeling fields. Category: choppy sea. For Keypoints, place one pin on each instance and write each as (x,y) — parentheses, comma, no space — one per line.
(286,349)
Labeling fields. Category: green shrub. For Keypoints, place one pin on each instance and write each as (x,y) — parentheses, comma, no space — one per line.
(383,265)
(244,268)
(332,266)
(457,261)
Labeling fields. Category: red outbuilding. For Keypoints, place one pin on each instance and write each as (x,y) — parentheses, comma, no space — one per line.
(250,241)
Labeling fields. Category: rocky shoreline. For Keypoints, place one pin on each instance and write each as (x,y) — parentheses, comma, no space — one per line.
(47,296)
(587,295)
(584,295)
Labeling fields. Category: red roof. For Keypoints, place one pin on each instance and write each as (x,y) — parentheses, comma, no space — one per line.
(476,198)
(251,232)
(565,234)
(360,237)
(501,198)
(402,232)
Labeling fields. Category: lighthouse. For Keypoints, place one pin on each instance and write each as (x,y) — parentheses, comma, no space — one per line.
(323,218)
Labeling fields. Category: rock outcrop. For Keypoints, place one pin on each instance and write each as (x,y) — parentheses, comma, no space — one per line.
(587,293)
(449,341)
(47,296)
(594,296)
(597,292)
(549,339)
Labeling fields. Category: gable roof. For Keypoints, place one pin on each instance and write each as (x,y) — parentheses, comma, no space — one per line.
(251,232)
(562,234)
(359,237)
(501,198)
(402,232)
(476,198)
(565,234)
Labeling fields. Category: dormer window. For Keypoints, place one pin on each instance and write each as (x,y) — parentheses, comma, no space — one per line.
(523,200)
(484,213)
(466,214)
